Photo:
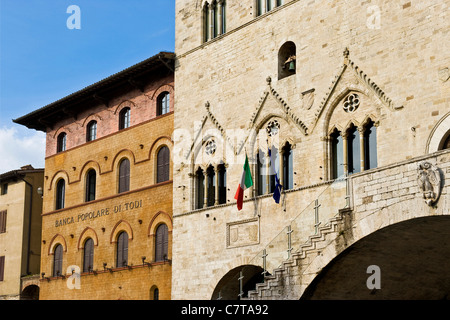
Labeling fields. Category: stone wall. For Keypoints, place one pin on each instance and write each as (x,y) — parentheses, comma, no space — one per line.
(394,67)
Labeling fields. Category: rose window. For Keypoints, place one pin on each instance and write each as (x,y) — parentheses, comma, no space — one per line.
(351,103)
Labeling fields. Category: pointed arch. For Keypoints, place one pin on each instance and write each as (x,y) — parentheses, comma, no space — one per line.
(57,239)
(120,226)
(159,218)
(87,233)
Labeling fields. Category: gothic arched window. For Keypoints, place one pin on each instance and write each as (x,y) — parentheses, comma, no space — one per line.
(162,243)
(61,142)
(163,165)
(88,255)
(288,167)
(213,19)
(122,249)
(200,188)
(91,182)
(337,155)
(353,151)
(163,103)
(57,261)
(60,194)
(124,176)
(370,146)
(91,131)
(124,118)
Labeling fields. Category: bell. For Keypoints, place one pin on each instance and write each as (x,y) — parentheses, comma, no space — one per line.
(292,66)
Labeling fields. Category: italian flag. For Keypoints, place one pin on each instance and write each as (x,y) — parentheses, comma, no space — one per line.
(246,182)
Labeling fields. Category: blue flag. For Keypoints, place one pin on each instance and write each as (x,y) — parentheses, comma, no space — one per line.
(278,186)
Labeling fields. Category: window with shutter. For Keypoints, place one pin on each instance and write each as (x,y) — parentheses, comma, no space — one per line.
(162,243)
(163,164)
(60,194)
(2,268)
(122,249)
(91,181)
(3,221)
(57,261)
(88,262)
(124,176)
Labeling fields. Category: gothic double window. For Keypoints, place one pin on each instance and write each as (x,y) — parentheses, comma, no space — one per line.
(263,6)
(211,186)
(354,150)
(273,165)
(214,19)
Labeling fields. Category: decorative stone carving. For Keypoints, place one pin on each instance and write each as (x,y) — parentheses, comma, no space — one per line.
(429,180)
(351,103)
(210,147)
(272,128)
(243,233)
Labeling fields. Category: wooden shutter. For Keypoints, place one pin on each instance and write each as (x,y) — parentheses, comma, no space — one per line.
(122,250)
(162,243)
(3,221)
(60,194)
(88,263)
(163,164)
(57,260)
(2,268)
(124,176)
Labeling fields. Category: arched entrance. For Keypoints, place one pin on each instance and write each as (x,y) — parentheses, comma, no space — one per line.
(238,281)
(31,292)
(413,260)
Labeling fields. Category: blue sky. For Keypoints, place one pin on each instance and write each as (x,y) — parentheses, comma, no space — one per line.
(42,60)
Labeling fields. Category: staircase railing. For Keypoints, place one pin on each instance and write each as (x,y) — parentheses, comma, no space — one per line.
(318,214)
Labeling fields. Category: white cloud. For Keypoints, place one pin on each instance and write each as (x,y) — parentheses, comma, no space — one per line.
(17,149)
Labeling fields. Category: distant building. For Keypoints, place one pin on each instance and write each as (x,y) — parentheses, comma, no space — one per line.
(107,211)
(20,233)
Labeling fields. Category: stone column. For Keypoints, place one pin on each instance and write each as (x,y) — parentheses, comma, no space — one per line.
(361,131)
(345,151)
(216,191)
(211,21)
(205,179)
(220,17)
(281,168)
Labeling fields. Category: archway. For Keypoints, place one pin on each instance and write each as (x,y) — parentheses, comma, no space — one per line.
(31,292)
(412,257)
(238,280)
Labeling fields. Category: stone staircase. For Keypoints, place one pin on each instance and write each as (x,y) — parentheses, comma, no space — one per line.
(293,276)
